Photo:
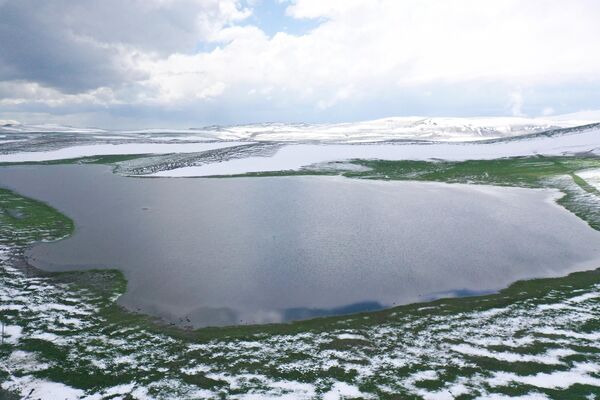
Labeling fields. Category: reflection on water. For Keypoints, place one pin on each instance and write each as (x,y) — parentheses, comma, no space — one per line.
(304,313)
(257,250)
(456,293)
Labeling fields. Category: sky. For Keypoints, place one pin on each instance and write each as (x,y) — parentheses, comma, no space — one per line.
(191,63)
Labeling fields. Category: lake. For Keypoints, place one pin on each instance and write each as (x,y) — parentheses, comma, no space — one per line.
(211,252)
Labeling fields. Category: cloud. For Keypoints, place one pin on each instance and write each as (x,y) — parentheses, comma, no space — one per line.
(202,59)
(516,104)
(548,111)
(76,46)
(375,45)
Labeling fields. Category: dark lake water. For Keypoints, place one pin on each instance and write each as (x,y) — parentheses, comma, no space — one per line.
(257,250)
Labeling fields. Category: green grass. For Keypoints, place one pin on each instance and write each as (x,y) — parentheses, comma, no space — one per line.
(517,171)
(23,220)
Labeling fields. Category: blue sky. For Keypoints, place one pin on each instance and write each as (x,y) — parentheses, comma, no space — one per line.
(270,16)
(183,63)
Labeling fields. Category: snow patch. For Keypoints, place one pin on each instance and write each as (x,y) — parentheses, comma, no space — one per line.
(343,390)
(114,149)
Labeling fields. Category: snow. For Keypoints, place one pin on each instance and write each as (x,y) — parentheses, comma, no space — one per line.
(445,394)
(346,336)
(396,128)
(393,128)
(308,144)
(12,333)
(5,141)
(177,138)
(16,127)
(58,307)
(584,115)
(114,149)
(552,357)
(584,297)
(47,336)
(114,392)
(591,176)
(595,336)
(532,396)
(296,156)
(196,369)
(41,389)
(554,380)
(342,390)
(425,375)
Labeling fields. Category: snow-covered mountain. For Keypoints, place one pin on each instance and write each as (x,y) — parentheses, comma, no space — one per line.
(386,129)
(397,128)
(10,126)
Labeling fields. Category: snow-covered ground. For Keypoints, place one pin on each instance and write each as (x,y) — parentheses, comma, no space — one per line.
(276,147)
(385,129)
(11,126)
(398,128)
(114,149)
(295,156)
(591,176)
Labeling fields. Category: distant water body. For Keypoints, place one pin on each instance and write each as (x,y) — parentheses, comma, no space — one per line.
(259,250)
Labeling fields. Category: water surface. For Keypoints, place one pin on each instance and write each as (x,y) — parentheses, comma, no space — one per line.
(256,250)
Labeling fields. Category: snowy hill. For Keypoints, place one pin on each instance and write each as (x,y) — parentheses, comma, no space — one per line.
(386,129)
(398,128)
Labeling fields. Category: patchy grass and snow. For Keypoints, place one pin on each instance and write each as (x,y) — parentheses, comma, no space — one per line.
(113,149)
(297,156)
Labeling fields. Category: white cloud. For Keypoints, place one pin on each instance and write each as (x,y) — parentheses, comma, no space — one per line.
(371,45)
(548,111)
(361,51)
(516,104)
